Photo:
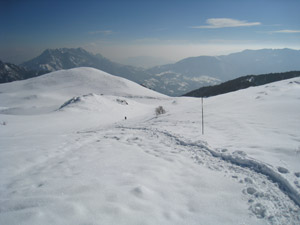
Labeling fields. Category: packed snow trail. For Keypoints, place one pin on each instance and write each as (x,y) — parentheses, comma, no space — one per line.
(116,176)
(239,159)
(269,196)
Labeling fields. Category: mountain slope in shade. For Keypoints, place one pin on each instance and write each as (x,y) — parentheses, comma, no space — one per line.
(10,72)
(242,83)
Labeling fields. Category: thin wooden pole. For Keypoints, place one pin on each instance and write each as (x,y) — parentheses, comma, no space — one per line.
(202,117)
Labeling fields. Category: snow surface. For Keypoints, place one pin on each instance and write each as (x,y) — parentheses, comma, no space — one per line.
(68,156)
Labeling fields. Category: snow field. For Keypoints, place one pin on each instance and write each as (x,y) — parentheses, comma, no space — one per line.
(68,156)
(118,177)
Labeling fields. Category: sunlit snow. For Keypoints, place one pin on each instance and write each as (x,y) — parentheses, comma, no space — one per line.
(69,156)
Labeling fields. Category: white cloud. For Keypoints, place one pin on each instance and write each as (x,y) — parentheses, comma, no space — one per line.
(286,31)
(105,32)
(225,22)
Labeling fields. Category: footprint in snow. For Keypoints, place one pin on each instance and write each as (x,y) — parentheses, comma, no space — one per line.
(137,191)
(239,153)
(282,170)
(248,180)
(259,210)
(251,190)
(140,191)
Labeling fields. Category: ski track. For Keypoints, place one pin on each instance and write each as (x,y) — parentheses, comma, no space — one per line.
(268,194)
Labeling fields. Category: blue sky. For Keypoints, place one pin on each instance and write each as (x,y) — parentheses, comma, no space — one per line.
(167,29)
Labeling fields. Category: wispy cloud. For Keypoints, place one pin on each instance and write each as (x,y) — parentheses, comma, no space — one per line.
(104,32)
(286,31)
(214,23)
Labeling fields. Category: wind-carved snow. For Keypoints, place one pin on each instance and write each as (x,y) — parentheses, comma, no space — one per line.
(71,101)
(73,158)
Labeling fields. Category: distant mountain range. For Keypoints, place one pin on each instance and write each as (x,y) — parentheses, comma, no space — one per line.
(171,79)
(242,83)
(66,58)
(212,70)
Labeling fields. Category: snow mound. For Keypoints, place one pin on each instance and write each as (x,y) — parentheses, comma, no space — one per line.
(71,101)
(86,101)
(99,103)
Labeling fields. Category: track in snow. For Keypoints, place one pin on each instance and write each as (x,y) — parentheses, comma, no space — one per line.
(269,195)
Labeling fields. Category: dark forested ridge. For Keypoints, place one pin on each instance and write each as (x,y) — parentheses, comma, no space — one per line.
(241,83)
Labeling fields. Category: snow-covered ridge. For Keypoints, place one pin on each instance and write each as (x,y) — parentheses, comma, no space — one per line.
(78,80)
(53,89)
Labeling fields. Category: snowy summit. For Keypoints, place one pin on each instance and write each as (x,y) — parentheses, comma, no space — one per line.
(81,146)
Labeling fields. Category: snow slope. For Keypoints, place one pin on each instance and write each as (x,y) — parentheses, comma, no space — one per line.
(68,156)
(46,93)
